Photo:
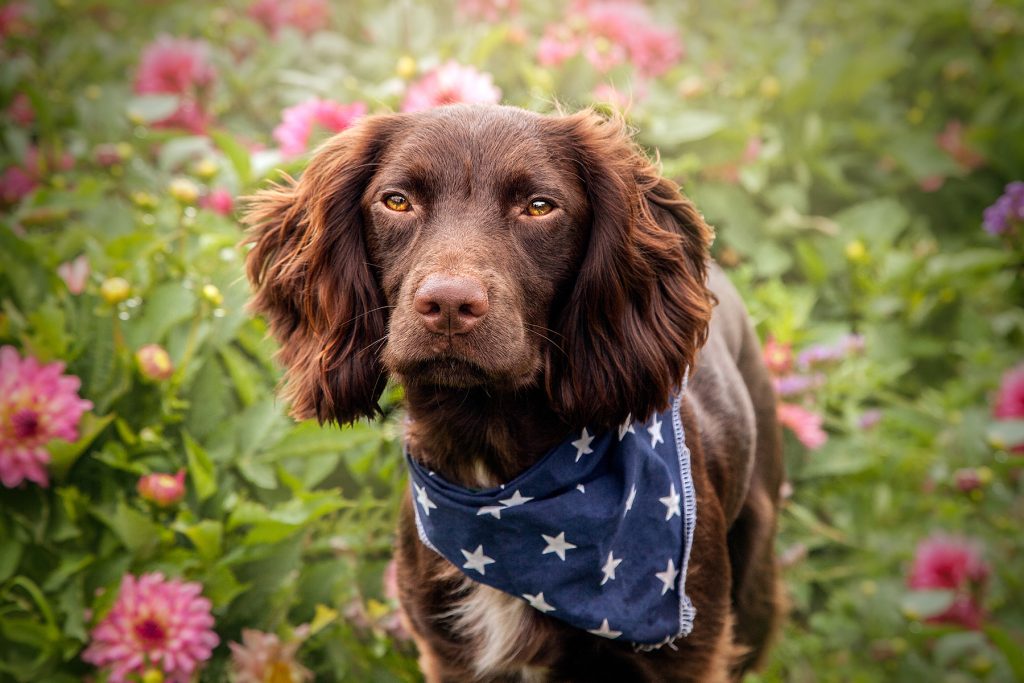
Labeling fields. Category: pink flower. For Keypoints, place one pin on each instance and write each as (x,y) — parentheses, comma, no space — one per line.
(932,183)
(297,123)
(821,354)
(15,185)
(804,424)
(262,657)
(154,362)
(967,479)
(163,489)
(608,93)
(451,83)
(557,45)
(154,623)
(869,419)
(308,16)
(955,564)
(13,20)
(75,274)
(792,385)
(487,10)
(180,67)
(219,201)
(777,356)
(21,111)
(37,404)
(1010,399)
(951,141)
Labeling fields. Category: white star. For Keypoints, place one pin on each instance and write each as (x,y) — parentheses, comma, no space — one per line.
(655,431)
(557,544)
(609,568)
(581,488)
(477,560)
(492,510)
(671,503)
(629,501)
(515,499)
(626,428)
(421,497)
(537,602)
(582,444)
(668,577)
(605,631)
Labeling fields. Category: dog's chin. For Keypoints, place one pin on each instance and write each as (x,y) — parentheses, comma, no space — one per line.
(456,371)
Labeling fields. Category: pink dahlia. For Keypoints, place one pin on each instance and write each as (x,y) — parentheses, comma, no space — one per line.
(804,424)
(451,83)
(1010,400)
(298,122)
(219,201)
(37,404)
(177,66)
(955,564)
(308,16)
(154,623)
(163,489)
(263,657)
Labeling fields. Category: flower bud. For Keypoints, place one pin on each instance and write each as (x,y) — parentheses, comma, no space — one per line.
(114,290)
(212,294)
(153,676)
(206,168)
(184,190)
(154,362)
(164,490)
(406,67)
(144,200)
(856,252)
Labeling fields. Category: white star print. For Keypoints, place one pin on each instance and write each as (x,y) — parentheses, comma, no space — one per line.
(537,602)
(629,501)
(492,510)
(655,431)
(581,488)
(515,499)
(626,428)
(605,631)
(671,503)
(582,444)
(477,560)
(557,544)
(668,577)
(421,498)
(609,568)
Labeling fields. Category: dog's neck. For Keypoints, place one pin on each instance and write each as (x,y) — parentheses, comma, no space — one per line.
(477,438)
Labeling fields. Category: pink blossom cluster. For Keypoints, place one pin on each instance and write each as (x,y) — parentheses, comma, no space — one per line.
(451,83)
(609,33)
(307,16)
(1009,404)
(17,182)
(953,564)
(38,403)
(298,123)
(155,623)
(487,10)
(177,66)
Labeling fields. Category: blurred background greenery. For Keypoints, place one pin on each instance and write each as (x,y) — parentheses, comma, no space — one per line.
(846,153)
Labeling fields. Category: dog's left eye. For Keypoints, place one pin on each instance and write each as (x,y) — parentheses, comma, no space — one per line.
(539,207)
(397,202)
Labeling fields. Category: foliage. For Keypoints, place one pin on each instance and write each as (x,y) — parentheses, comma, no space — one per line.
(844,151)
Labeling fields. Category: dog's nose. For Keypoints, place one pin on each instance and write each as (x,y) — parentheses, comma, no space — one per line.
(451,304)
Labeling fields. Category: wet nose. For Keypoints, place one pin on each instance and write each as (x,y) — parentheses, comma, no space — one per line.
(451,304)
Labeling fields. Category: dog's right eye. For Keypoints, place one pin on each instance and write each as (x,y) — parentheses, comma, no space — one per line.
(397,202)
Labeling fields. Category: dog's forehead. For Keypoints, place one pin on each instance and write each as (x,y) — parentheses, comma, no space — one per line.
(453,146)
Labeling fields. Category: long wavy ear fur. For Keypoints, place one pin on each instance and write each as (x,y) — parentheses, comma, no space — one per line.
(312,280)
(640,307)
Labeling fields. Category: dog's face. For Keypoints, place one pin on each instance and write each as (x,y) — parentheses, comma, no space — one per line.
(482,246)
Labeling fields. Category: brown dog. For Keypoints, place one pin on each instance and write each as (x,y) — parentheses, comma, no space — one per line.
(525,276)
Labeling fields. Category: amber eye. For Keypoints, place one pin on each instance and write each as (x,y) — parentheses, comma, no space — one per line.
(397,202)
(539,207)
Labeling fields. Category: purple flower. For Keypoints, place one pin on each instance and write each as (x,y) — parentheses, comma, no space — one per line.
(1007,210)
(790,385)
(821,354)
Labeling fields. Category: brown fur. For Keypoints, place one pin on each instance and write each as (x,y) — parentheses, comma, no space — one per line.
(594,311)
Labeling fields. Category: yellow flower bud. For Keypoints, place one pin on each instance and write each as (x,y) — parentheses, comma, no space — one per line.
(406,67)
(184,190)
(212,294)
(114,290)
(856,252)
(144,200)
(153,676)
(770,87)
(206,168)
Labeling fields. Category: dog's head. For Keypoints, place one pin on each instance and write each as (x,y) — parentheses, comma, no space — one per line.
(482,246)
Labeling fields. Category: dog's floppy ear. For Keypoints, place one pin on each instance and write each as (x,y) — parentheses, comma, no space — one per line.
(640,307)
(312,280)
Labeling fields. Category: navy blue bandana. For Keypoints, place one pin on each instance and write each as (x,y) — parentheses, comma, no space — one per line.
(597,533)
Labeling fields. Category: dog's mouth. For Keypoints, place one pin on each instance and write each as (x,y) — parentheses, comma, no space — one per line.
(446,370)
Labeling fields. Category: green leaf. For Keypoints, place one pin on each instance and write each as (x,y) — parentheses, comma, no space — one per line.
(206,536)
(138,532)
(1006,434)
(236,153)
(200,468)
(685,126)
(150,108)
(167,305)
(64,454)
(1011,648)
(920,605)
(245,377)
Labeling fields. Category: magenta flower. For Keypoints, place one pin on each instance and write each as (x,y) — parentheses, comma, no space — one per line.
(14,19)
(1007,211)
(37,404)
(804,424)
(451,83)
(219,201)
(955,564)
(308,16)
(163,489)
(177,66)
(15,185)
(1010,399)
(869,419)
(263,657)
(155,622)
(75,274)
(297,123)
